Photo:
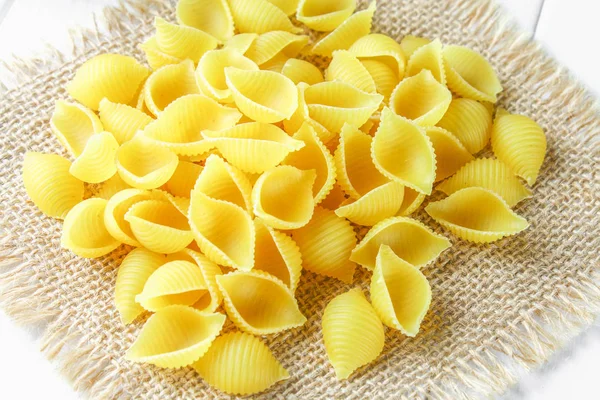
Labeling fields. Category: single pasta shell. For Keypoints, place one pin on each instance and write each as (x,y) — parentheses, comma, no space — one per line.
(121,120)
(409,239)
(477,215)
(269,45)
(184,178)
(302,71)
(260,16)
(450,154)
(289,7)
(175,336)
(259,303)
(84,232)
(96,163)
(49,184)
(182,41)
(241,42)
(379,204)
(114,214)
(470,121)
(73,125)
(377,46)
(156,58)
(352,332)
(347,68)
(112,186)
(220,367)
(169,83)
(400,292)
(211,301)
(411,202)
(210,16)
(429,57)
(324,15)
(411,43)
(383,76)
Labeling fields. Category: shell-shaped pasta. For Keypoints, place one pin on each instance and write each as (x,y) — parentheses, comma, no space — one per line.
(179,126)
(183,179)
(84,232)
(283,197)
(155,56)
(210,74)
(277,254)
(520,143)
(380,203)
(384,77)
(334,199)
(175,336)
(133,273)
(223,231)
(428,57)
(253,147)
(289,7)
(409,239)
(275,64)
(210,301)
(183,41)
(73,125)
(222,181)
(302,71)
(97,161)
(477,215)
(259,16)
(400,292)
(470,121)
(489,174)
(169,83)
(325,244)
(377,46)
(470,75)
(271,44)
(259,303)
(113,76)
(121,120)
(145,165)
(324,15)
(220,366)
(334,103)
(352,332)
(175,282)
(402,151)
(264,96)
(302,116)
(347,68)
(356,173)
(49,184)
(450,154)
(411,43)
(421,98)
(112,186)
(182,204)
(114,214)
(241,42)
(210,16)
(348,32)
(411,202)
(314,155)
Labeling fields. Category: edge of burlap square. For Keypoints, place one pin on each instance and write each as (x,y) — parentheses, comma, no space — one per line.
(489,368)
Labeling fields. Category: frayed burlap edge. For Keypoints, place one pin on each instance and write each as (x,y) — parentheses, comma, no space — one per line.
(529,342)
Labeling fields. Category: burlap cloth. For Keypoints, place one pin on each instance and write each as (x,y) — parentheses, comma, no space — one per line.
(497,309)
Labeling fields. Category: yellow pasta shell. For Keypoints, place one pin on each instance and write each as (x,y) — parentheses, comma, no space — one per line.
(402,151)
(269,45)
(283,197)
(264,96)
(259,16)
(429,57)
(520,143)
(324,15)
(221,366)
(411,202)
(253,147)
(325,244)
(380,203)
(345,67)
(352,332)
(182,204)
(477,215)
(97,161)
(409,239)
(275,64)
(155,56)
(302,71)
(49,184)
(334,199)
(169,83)
(421,98)
(121,120)
(114,214)
(301,116)
(112,186)
(450,154)
(211,301)
(470,121)
(259,303)
(287,6)
(183,41)
(411,43)
(73,125)
(183,179)
(400,292)
(113,76)
(223,231)
(210,16)
(175,336)
(145,165)
(348,32)
(84,232)
(470,75)
(383,76)
(241,42)
(383,48)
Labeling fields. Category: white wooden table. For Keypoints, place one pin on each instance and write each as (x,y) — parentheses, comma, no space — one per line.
(568,28)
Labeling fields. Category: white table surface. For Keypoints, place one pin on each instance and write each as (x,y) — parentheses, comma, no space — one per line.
(568,28)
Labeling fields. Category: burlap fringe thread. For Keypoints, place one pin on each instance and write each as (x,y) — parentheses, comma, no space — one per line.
(533,339)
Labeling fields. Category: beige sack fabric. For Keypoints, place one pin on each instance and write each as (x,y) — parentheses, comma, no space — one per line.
(496,308)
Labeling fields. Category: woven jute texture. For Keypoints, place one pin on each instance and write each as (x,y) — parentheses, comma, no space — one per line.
(497,309)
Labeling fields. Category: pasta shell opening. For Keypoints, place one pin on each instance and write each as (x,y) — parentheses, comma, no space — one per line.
(302,71)
(324,15)
(114,214)
(378,204)
(73,125)
(241,42)
(156,57)
(169,83)
(450,154)
(345,67)
(97,162)
(184,178)
(411,202)
(411,43)
(211,16)
(269,45)
(182,41)
(382,48)
(260,16)
(428,57)
(122,120)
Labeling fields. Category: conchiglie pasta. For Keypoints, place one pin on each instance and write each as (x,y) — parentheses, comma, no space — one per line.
(259,16)
(169,83)
(470,121)
(112,186)
(220,367)
(122,120)
(345,67)
(241,42)
(400,292)
(210,301)
(287,6)
(428,56)
(411,43)
(379,47)
(324,15)
(182,41)
(409,239)
(183,179)
(259,303)
(113,76)
(380,203)
(275,64)
(269,45)
(411,202)
(325,244)
(352,332)
(301,116)
(383,76)
(210,16)
(49,184)
(84,232)
(156,57)
(477,215)
(450,154)
(114,214)
(97,161)
(302,71)
(175,336)
(73,125)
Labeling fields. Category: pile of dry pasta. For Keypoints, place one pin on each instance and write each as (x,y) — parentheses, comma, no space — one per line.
(234,163)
